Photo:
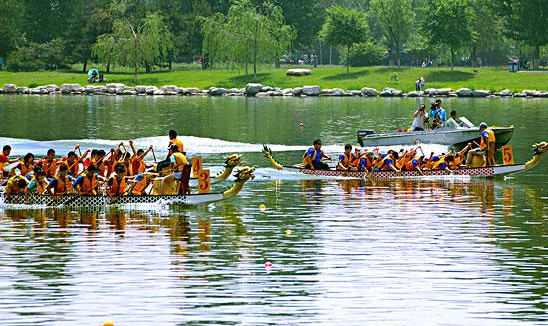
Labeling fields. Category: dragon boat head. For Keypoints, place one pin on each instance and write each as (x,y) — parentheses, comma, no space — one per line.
(267,152)
(540,148)
(244,174)
(233,160)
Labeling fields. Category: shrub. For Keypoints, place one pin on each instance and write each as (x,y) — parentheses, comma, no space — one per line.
(34,56)
(365,54)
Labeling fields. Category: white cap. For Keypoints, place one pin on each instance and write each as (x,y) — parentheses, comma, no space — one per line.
(483,125)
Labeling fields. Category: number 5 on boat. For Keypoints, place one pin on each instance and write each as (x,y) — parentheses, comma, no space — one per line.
(507,155)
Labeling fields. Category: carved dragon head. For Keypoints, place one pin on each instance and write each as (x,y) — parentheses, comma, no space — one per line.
(244,174)
(233,160)
(540,148)
(267,152)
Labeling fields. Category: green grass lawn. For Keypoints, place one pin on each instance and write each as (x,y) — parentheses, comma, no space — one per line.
(184,75)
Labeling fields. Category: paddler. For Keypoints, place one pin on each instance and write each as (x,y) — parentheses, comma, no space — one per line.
(312,158)
(386,162)
(49,164)
(86,183)
(172,141)
(346,159)
(38,183)
(140,182)
(73,161)
(61,184)
(5,161)
(25,166)
(16,185)
(116,184)
(177,163)
(137,161)
(487,146)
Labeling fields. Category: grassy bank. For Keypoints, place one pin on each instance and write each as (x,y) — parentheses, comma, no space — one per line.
(494,79)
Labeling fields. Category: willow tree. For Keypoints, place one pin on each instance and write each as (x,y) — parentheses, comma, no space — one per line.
(344,27)
(135,45)
(247,34)
(395,18)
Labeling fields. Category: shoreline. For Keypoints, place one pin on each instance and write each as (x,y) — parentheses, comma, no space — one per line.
(259,91)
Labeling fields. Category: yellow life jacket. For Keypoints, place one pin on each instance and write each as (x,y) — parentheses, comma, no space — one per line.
(63,185)
(180,160)
(13,184)
(437,164)
(140,186)
(117,188)
(490,138)
(347,159)
(381,164)
(88,186)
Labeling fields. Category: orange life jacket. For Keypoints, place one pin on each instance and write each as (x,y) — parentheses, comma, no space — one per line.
(347,159)
(88,185)
(117,188)
(410,167)
(25,168)
(49,167)
(63,185)
(140,187)
(381,165)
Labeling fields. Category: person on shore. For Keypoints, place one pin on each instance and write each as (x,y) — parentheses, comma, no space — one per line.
(422,83)
(312,158)
(25,166)
(452,121)
(487,146)
(420,116)
(5,161)
(417,85)
(346,159)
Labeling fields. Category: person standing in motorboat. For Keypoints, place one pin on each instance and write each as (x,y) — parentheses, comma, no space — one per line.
(420,117)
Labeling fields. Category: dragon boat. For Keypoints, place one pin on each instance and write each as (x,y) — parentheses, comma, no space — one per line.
(480,171)
(71,201)
(466,133)
(231,162)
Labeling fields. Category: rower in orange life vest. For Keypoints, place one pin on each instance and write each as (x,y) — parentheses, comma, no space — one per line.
(61,184)
(487,146)
(137,161)
(72,161)
(87,182)
(348,160)
(4,159)
(25,166)
(312,158)
(116,184)
(387,162)
(49,164)
(140,182)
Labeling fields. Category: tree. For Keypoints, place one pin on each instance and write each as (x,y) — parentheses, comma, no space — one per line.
(396,19)
(489,41)
(449,23)
(345,28)
(135,46)
(11,20)
(526,20)
(247,34)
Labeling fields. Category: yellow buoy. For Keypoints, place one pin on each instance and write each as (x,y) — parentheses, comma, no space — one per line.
(262,207)
(288,231)
(108,323)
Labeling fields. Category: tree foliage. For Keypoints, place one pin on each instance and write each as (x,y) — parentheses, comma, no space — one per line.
(135,45)
(344,27)
(396,20)
(449,23)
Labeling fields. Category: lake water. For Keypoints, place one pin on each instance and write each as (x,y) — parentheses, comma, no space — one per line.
(431,252)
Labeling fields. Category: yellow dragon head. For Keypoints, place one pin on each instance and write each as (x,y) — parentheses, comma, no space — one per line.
(244,174)
(267,152)
(233,160)
(540,148)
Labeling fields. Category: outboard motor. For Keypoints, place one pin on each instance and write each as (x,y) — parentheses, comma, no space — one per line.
(362,134)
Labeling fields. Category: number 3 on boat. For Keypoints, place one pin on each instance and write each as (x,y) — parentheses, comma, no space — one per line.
(204,187)
(507,155)
(196,166)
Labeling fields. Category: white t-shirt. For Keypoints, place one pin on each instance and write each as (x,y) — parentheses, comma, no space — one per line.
(419,121)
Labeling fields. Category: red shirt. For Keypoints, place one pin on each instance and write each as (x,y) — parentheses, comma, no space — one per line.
(3,158)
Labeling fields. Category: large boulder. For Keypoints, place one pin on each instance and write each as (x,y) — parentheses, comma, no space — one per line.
(191,91)
(298,72)
(68,88)
(367,91)
(481,93)
(505,92)
(386,93)
(22,90)
(253,88)
(10,88)
(169,88)
(311,90)
(141,89)
(519,95)
(297,91)
(531,93)
(158,92)
(442,91)
(217,91)
(543,94)
(337,92)
(49,88)
(464,92)
(430,91)
(414,94)
(114,85)
(150,90)
(267,89)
